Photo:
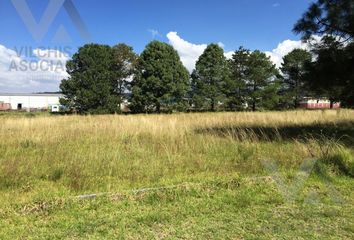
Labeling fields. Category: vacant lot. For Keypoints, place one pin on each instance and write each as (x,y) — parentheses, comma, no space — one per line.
(278,175)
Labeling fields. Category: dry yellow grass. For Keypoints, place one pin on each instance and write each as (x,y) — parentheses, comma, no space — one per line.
(104,152)
(174,125)
(44,159)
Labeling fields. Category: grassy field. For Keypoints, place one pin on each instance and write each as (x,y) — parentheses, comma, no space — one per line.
(276,175)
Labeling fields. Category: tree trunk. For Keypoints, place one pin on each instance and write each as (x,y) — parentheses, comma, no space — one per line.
(158,107)
(296,102)
(212,105)
(254,99)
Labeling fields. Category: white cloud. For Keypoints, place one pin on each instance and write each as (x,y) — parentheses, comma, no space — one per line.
(285,47)
(276,5)
(228,55)
(189,52)
(42,71)
(6,56)
(222,45)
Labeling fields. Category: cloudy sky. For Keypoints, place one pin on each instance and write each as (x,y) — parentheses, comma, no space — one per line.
(38,37)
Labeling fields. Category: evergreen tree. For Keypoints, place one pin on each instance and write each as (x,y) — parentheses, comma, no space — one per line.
(294,71)
(235,86)
(328,17)
(90,89)
(332,74)
(209,78)
(161,80)
(261,82)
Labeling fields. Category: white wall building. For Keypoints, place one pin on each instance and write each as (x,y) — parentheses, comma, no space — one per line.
(19,101)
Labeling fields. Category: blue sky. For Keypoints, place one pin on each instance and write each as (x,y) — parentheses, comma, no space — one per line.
(255,24)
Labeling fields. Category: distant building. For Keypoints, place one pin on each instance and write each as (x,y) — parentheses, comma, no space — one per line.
(318,103)
(28,102)
(5,106)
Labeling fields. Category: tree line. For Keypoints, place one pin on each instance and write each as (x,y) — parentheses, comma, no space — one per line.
(102,78)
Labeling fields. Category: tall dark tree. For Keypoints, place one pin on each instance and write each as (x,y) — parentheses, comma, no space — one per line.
(294,71)
(161,81)
(348,79)
(261,82)
(328,17)
(209,78)
(235,86)
(124,66)
(332,73)
(90,89)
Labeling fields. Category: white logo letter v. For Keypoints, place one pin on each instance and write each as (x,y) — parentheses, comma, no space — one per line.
(38,30)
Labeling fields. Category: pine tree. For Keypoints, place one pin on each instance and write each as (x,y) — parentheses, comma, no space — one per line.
(261,82)
(161,81)
(294,71)
(209,79)
(235,87)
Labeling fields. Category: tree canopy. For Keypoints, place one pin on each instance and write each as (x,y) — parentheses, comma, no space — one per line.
(236,84)
(328,17)
(124,62)
(209,78)
(101,77)
(261,82)
(161,80)
(294,69)
(331,74)
(91,85)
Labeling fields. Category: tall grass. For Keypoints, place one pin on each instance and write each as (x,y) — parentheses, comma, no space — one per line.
(113,152)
